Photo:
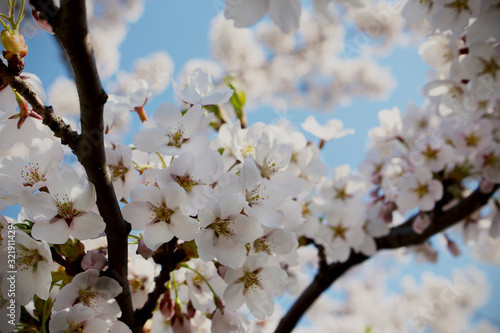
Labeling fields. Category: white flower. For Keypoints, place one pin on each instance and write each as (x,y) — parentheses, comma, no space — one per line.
(195,174)
(225,231)
(344,230)
(275,242)
(199,292)
(431,152)
(285,13)
(65,210)
(487,161)
(199,90)
(228,322)
(141,280)
(174,132)
(32,175)
(254,284)
(262,195)
(89,289)
(33,265)
(79,318)
(333,129)
(160,213)
(418,189)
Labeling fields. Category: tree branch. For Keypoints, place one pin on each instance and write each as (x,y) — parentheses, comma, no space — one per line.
(69,23)
(401,236)
(52,120)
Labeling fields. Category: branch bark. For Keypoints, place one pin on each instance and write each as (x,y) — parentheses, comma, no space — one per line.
(401,236)
(69,23)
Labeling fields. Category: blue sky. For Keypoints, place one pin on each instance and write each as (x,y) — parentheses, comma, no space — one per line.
(181,28)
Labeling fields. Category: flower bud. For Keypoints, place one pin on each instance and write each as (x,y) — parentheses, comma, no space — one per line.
(13,42)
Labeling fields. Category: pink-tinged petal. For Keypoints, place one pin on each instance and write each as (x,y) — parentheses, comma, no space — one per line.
(193,120)
(166,115)
(206,242)
(150,194)
(218,96)
(245,13)
(260,303)
(188,95)
(249,175)
(267,216)
(233,296)
(285,13)
(108,286)
(46,153)
(156,234)
(183,227)
(256,261)
(56,232)
(24,287)
(436,189)
(87,225)
(138,214)
(43,280)
(38,205)
(84,196)
(246,229)
(231,253)
(61,180)
(231,204)
(96,325)
(174,196)
(80,313)
(206,217)
(183,164)
(59,321)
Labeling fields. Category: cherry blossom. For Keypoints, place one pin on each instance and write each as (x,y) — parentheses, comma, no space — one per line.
(225,231)
(160,213)
(199,90)
(65,210)
(333,129)
(254,284)
(33,265)
(90,290)
(419,189)
(174,131)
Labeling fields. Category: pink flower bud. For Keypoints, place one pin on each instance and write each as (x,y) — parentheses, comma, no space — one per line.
(143,250)
(94,259)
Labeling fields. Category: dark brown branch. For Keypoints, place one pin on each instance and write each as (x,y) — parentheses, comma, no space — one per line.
(69,23)
(52,120)
(400,236)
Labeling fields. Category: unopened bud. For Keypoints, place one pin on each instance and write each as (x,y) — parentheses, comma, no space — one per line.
(13,42)
(421,222)
(143,250)
(453,248)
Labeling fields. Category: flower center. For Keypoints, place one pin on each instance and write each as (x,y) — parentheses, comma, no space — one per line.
(162,214)
(118,171)
(28,258)
(458,6)
(186,182)
(421,190)
(339,231)
(74,328)
(222,228)
(430,154)
(176,139)
(31,175)
(261,245)
(91,298)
